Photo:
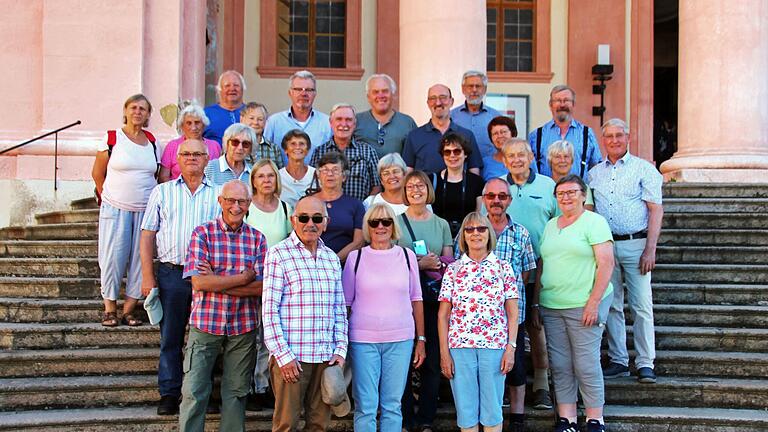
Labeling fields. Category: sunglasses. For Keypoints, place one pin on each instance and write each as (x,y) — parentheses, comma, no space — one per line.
(501,196)
(236,142)
(455,152)
(374,223)
(480,229)
(316,219)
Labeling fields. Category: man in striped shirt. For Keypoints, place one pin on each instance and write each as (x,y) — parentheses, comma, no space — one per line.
(304,316)
(225,263)
(174,209)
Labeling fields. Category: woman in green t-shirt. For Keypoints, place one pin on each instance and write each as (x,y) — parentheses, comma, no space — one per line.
(573,302)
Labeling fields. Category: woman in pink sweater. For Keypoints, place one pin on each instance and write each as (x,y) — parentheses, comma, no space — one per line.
(382,291)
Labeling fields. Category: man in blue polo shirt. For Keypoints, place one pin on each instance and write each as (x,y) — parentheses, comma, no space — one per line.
(300,115)
(422,145)
(227,112)
(564,127)
(474,114)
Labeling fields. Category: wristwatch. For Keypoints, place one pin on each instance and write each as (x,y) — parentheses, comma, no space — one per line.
(421,338)
(512,344)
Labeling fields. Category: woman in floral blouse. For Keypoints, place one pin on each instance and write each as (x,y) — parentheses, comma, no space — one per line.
(477,324)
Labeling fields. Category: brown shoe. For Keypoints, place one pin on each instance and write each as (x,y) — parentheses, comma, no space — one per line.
(109,319)
(131,321)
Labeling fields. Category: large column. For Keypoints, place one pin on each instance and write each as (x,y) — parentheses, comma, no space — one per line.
(723,113)
(439,41)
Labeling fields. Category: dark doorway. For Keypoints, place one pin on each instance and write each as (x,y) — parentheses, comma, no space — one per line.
(665,79)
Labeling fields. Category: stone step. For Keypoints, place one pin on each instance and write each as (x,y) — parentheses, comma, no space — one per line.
(67,267)
(77,391)
(712,273)
(84,203)
(52,248)
(68,216)
(708,315)
(721,339)
(25,310)
(711,254)
(689,392)
(714,190)
(714,294)
(54,287)
(67,362)
(715,220)
(81,335)
(623,418)
(719,364)
(720,237)
(716,205)
(69,231)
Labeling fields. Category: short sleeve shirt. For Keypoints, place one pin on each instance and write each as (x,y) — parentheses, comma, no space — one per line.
(434,231)
(550,132)
(345,216)
(363,172)
(477,292)
(220,119)
(569,261)
(533,205)
(421,149)
(478,124)
(384,138)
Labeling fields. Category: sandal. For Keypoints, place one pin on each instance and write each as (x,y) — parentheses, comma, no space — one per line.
(109,319)
(131,321)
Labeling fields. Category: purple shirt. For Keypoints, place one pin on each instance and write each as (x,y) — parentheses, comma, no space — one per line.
(380,295)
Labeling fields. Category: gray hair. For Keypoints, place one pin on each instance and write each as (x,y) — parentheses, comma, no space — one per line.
(495,179)
(514,141)
(192,110)
(238,183)
(236,73)
(391,160)
(385,77)
(559,147)
(304,74)
(615,122)
(562,87)
(238,129)
(475,73)
(341,105)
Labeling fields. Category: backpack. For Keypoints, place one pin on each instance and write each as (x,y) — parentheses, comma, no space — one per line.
(112,140)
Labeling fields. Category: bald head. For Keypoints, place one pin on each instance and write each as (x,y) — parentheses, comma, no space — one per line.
(309,220)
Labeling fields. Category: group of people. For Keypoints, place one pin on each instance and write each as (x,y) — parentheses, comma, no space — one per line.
(311,252)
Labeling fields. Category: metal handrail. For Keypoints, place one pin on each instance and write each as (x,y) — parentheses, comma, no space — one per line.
(55,149)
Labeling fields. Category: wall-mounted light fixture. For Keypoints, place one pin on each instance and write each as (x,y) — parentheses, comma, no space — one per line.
(602,72)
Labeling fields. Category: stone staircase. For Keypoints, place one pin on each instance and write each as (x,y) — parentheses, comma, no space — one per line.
(61,370)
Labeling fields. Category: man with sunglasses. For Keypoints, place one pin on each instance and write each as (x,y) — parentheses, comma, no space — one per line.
(302,89)
(513,244)
(304,318)
(174,209)
(225,265)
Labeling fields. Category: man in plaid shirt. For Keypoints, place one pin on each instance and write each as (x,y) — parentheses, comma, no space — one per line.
(304,317)
(363,177)
(225,263)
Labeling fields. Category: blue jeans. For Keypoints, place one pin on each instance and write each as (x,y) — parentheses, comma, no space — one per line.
(379,372)
(176,299)
(477,386)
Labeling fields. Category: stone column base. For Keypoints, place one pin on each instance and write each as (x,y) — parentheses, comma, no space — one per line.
(707,175)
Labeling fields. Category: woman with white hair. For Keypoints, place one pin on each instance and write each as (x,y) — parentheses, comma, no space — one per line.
(392,170)
(560,160)
(238,141)
(190,123)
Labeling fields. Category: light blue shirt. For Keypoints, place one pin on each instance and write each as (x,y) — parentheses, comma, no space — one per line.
(173,211)
(550,133)
(478,124)
(533,205)
(219,172)
(318,127)
(621,191)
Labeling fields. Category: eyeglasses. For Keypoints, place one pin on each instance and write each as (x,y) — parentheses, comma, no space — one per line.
(455,152)
(192,155)
(316,218)
(441,98)
(501,196)
(374,223)
(391,173)
(240,202)
(303,89)
(568,193)
(327,171)
(236,142)
(480,229)
(617,136)
(562,101)
(415,186)
(501,132)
